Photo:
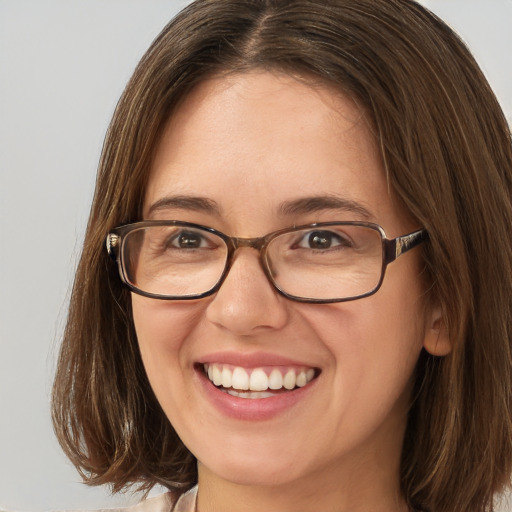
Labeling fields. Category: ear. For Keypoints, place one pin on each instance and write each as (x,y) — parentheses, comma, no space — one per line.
(437,340)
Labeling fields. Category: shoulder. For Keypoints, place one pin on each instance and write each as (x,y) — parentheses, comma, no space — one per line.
(168,502)
(161,503)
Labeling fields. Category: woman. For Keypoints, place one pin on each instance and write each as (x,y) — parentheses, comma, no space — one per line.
(309,207)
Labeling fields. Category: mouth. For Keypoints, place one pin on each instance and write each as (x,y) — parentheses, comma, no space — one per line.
(257,383)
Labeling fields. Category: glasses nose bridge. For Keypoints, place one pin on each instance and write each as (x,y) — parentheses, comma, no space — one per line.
(258,244)
(253,243)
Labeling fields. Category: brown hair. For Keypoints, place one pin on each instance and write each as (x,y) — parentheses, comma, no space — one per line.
(448,153)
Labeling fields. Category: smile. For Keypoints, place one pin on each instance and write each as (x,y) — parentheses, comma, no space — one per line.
(257,382)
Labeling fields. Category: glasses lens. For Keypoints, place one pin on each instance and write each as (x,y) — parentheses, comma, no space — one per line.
(174,261)
(328,262)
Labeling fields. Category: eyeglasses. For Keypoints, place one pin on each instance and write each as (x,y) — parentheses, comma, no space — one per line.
(319,263)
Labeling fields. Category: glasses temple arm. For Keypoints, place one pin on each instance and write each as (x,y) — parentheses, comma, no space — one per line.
(112,242)
(400,245)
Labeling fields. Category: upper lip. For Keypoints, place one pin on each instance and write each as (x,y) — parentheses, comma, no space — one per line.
(252,360)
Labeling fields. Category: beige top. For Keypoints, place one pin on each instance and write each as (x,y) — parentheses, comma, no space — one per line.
(162,503)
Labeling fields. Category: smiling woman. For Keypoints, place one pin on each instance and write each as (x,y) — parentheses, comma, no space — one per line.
(299,199)
(247,332)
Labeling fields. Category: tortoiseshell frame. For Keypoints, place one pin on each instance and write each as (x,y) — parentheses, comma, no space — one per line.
(391,250)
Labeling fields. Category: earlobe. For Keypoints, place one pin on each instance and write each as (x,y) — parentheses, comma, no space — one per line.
(437,339)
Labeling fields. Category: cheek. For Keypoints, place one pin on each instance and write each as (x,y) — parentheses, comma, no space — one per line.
(374,342)
(371,329)
(162,327)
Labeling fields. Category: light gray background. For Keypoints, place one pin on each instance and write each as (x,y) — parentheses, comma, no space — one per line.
(63,65)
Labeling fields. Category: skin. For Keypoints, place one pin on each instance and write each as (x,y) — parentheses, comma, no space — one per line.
(249,143)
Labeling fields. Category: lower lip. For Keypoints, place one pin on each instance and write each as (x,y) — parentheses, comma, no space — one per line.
(252,409)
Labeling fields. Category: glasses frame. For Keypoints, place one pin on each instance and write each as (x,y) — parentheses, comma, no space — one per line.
(391,250)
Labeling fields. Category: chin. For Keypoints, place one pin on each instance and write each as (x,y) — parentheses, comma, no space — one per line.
(256,464)
(255,473)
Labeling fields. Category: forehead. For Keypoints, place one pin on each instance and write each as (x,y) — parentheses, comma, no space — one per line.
(251,141)
(260,97)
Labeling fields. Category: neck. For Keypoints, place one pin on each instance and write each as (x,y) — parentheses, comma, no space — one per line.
(357,490)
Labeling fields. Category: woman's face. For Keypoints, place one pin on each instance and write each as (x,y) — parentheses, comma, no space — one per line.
(242,154)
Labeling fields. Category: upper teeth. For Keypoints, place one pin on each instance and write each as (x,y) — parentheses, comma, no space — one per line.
(257,379)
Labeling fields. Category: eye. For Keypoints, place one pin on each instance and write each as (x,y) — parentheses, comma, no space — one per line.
(189,240)
(322,240)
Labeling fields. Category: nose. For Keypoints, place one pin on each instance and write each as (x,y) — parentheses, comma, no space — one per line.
(247,303)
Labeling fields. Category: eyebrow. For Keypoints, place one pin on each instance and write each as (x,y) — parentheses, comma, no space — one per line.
(328,202)
(299,206)
(199,204)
